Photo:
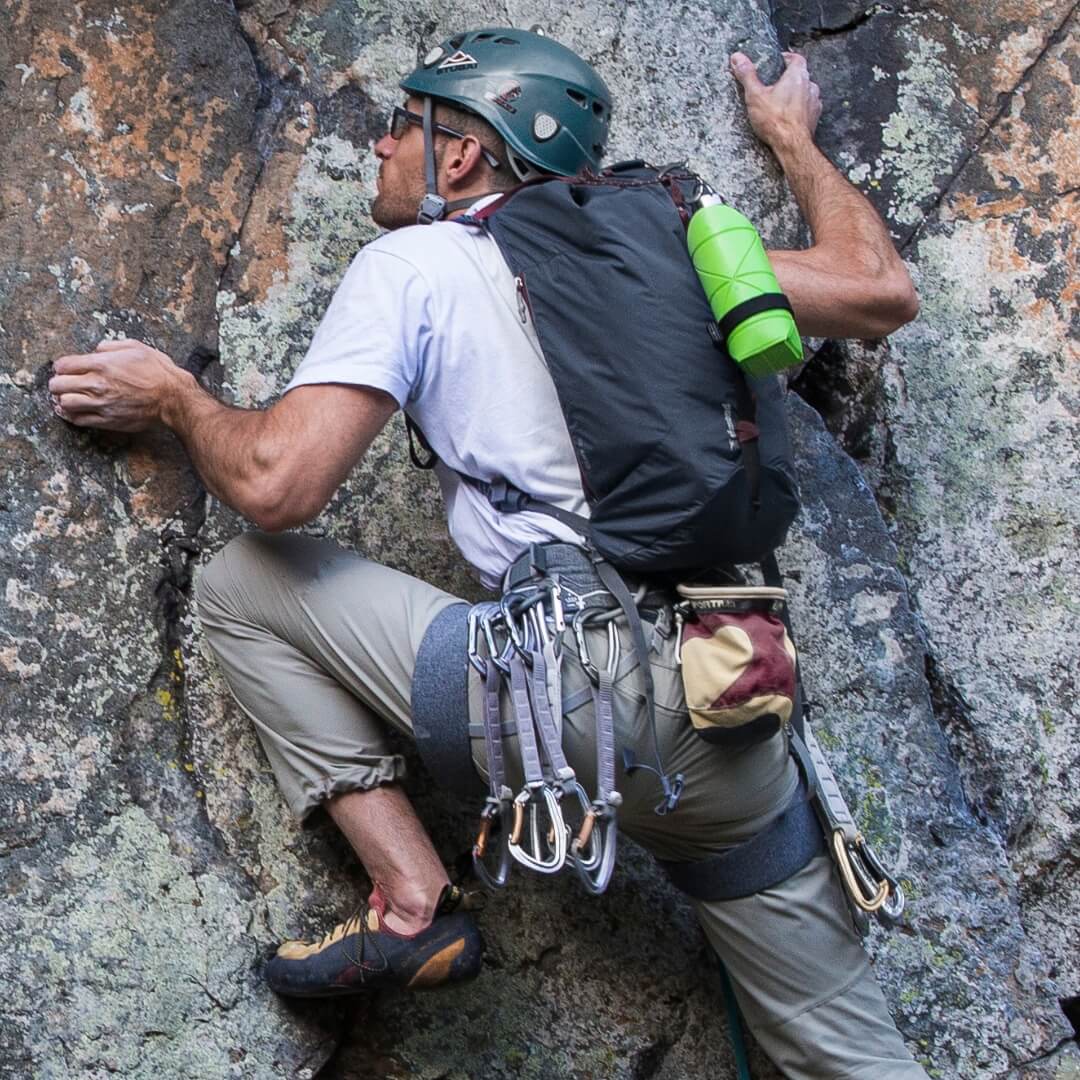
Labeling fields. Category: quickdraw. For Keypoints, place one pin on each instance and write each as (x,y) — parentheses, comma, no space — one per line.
(869,887)
(592,851)
(551,820)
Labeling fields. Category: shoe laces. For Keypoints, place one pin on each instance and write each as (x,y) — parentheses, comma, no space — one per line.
(357,926)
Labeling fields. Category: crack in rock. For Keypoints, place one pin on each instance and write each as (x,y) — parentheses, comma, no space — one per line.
(798,38)
(1056,36)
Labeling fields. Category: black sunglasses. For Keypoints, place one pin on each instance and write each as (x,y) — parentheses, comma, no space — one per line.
(401,118)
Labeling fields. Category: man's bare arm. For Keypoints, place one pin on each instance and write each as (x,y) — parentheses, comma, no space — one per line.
(278,467)
(851,282)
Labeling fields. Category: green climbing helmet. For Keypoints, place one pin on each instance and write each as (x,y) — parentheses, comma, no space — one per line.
(550,107)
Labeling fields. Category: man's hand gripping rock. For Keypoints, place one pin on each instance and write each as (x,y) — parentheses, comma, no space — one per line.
(121,386)
(786,112)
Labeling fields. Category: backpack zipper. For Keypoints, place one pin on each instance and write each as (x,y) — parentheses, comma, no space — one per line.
(524,304)
(729,422)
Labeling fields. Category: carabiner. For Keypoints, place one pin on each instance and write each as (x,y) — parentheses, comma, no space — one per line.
(536,860)
(871,874)
(577,623)
(479,614)
(863,892)
(585,846)
(600,830)
(493,810)
(499,657)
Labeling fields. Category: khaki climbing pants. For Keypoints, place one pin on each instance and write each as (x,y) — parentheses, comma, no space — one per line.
(318,647)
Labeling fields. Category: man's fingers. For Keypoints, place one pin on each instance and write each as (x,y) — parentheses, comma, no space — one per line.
(109,344)
(743,70)
(794,60)
(75,365)
(75,384)
(74,404)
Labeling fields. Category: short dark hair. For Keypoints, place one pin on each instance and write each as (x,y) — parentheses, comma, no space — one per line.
(469,123)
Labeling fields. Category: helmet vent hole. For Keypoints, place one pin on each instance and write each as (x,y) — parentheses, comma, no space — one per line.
(507,41)
(456,42)
(483,37)
(598,108)
(577,97)
(598,150)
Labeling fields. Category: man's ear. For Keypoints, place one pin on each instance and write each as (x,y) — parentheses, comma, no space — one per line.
(463,161)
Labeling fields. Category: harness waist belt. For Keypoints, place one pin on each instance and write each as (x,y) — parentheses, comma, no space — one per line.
(574,571)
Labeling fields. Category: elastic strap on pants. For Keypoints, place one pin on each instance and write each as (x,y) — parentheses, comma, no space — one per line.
(440,702)
(773,855)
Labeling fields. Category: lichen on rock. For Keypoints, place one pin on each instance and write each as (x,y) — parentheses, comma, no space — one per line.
(198,175)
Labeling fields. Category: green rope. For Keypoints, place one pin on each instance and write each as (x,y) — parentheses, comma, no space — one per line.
(742,1064)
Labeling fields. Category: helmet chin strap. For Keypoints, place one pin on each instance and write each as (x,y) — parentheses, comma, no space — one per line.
(433,206)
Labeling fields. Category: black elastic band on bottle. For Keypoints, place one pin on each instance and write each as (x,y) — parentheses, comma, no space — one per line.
(754,306)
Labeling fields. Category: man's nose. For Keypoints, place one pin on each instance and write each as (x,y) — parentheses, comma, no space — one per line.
(385,146)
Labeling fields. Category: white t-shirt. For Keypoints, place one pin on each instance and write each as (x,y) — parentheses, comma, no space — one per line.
(431,315)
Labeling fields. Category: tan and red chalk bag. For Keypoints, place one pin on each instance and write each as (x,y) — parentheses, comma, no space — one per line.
(738,661)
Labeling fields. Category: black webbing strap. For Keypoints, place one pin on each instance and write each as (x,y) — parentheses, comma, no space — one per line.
(418,443)
(508,499)
(754,306)
(772,856)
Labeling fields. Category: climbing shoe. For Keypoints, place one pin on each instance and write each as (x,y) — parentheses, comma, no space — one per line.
(363,953)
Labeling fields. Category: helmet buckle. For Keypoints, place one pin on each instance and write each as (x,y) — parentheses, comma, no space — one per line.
(432,208)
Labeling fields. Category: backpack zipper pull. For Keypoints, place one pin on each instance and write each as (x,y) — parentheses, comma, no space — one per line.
(522,298)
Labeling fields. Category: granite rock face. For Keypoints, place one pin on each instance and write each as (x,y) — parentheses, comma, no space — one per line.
(198,176)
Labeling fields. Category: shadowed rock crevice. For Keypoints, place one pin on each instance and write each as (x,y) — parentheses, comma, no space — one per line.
(794,32)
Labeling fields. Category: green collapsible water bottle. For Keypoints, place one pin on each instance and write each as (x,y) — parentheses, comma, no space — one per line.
(753,315)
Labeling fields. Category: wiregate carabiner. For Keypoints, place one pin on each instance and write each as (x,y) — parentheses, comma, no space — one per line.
(600,831)
(555,833)
(479,615)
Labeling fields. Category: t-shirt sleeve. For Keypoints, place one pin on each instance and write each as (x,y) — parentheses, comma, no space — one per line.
(376,331)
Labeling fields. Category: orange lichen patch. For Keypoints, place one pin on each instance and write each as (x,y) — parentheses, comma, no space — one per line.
(1036,144)
(264,244)
(184,294)
(984,18)
(146,507)
(970,97)
(122,124)
(167,487)
(142,463)
(1015,55)
(226,198)
(80,530)
(46,57)
(969,208)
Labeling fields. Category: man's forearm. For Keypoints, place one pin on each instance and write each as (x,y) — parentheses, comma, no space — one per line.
(839,215)
(232,449)
(851,282)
